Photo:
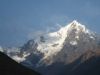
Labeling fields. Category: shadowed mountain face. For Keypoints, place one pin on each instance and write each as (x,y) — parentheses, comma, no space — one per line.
(86,64)
(89,66)
(10,67)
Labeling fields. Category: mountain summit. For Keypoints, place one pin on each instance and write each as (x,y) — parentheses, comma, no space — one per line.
(71,40)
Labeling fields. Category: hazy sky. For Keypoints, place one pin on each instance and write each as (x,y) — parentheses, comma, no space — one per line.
(20,19)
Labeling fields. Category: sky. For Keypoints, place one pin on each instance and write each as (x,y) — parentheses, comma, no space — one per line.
(21,20)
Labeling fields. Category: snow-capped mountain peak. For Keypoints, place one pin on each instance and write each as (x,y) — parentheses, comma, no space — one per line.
(72,35)
(72,30)
(76,25)
(71,39)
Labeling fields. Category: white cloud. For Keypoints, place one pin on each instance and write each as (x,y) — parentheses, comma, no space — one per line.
(35,34)
(50,25)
